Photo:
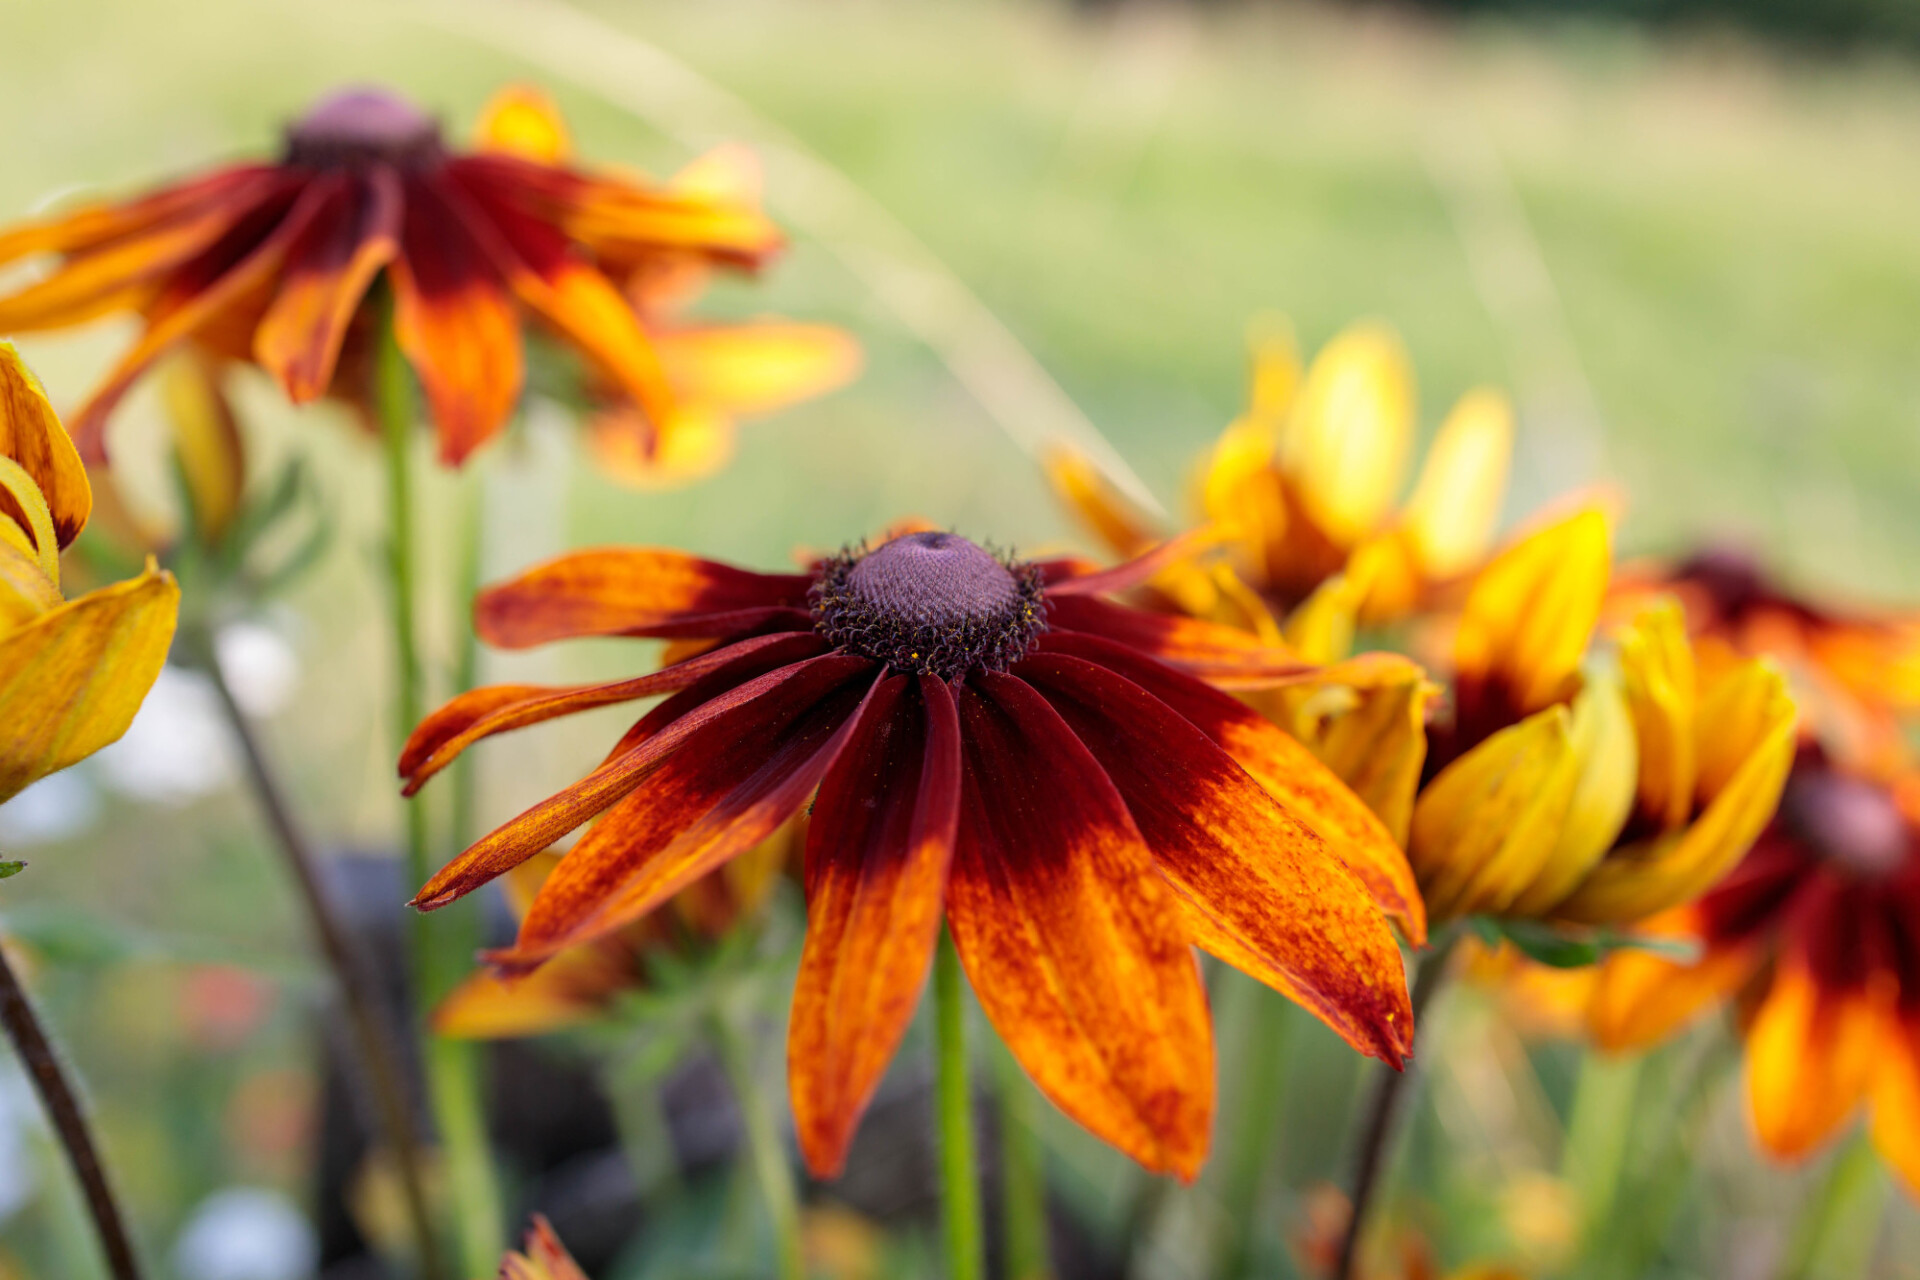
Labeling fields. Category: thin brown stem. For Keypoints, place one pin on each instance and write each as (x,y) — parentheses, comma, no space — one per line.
(1389,1087)
(367,1020)
(69,1122)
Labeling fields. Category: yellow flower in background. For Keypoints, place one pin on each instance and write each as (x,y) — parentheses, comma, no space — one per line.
(1595,788)
(718,373)
(1306,483)
(72,672)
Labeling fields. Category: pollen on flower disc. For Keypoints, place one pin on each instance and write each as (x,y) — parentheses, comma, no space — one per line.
(930,602)
(359,126)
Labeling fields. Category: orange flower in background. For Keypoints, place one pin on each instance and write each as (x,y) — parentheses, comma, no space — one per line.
(583,983)
(272,261)
(719,373)
(993,743)
(72,672)
(1818,932)
(543,1257)
(1306,482)
(1595,788)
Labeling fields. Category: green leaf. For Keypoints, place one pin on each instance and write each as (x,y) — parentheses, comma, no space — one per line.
(1572,946)
(10,869)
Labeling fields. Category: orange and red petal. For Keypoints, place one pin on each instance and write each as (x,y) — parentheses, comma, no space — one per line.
(1067,579)
(94,226)
(1217,654)
(636,591)
(327,274)
(455,320)
(716,785)
(482,713)
(1305,787)
(1811,1055)
(878,848)
(1258,882)
(1072,940)
(643,753)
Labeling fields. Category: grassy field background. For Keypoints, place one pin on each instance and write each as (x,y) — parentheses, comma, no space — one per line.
(1694,262)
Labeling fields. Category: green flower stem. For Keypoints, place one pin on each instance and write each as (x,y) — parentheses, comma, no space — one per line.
(1599,1132)
(959,1186)
(1382,1108)
(1263,1056)
(1835,1234)
(69,1122)
(466,670)
(1023,1174)
(441,945)
(770,1164)
(367,1020)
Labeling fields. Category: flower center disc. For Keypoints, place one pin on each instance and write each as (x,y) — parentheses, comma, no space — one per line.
(363,126)
(1851,823)
(930,603)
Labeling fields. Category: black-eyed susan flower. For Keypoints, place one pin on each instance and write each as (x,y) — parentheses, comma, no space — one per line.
(72,672)
(719,373)
(1817,936)
(991,743)
(1306,484)
(272,261)
(1591,788)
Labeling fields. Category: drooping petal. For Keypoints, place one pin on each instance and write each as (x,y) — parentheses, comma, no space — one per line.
(1102,509)
(635,591)
(569,990)
(1352,428)
(1811,1055)
(1896,1099)
(455,322)
(92,226)
(1530,614)
(206,441)
(641,755)
(482,713)
(71,680)
(1489,822)
(31,434)
(1256,879)
(521,120)
(1657,676)
(1072,940)
(1220,655)
(1665,871)
(229,275)
(878,848)
(121,276)
(1456,502)
(759,366)
(722,787)
(1305,787)
(327,274)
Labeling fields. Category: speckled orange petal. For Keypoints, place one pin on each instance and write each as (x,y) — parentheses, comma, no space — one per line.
(1303,785)
(482,713)
(31,435)
(72,679)
(1366,719)
(878,848)
(1220,655)
(189,304)
(1810,1058)
(1254,877)
(1073,941)
(717,790)
(455,321)
(327,274)
(635,591)
(640,757)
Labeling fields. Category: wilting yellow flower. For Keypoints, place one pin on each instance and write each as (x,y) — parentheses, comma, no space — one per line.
(72,672)
(718,373)
(1574,788)
(1306,480)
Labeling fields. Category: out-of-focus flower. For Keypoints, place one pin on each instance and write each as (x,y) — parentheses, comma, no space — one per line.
(582,983)
(271,262)
(1818,934)
(543,1257)
(992,743)
(718,373)
(1570,789)
(1856,672)
(1305,483)
(72,672)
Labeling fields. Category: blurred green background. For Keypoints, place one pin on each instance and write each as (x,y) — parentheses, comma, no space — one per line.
(1693,258)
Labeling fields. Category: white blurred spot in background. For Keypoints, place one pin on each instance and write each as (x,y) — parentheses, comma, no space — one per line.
(58,807)
(178,747)
(260,666)
(246,1233)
